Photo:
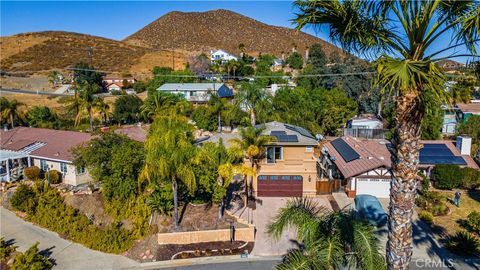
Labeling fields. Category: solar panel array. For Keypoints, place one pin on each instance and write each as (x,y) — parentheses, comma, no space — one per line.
(300,130)
(347,152)
(277,132)
(286,138)
(439,154)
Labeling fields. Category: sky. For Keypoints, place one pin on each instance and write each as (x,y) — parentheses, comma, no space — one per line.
(118,20)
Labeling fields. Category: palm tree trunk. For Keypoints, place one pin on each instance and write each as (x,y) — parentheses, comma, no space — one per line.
(220,210)
(175,201)
(253,117)
(403,187)
(90,113)
(11,120)
(219,122)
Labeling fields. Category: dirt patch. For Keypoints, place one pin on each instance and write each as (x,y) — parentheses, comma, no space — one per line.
(90,205)
(148,250)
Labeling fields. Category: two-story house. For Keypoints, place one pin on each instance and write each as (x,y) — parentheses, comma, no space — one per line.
(197,92)
(221,56)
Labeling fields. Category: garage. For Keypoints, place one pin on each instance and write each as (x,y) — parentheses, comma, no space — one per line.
(279,186)
(378,187)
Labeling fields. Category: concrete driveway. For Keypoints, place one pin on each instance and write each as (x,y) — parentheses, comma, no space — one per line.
(267,208)
(67,255)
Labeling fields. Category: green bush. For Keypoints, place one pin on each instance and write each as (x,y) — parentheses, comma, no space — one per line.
(32,173)
(32,259)
(471,178)
(473,222)
(447,176)
(426,216)
(6,249)
(24,199)
(464,243)
(54,176)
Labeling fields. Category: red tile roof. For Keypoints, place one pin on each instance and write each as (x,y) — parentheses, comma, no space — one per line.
(58,143)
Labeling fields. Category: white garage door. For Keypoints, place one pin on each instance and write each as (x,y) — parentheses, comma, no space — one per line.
(379,188)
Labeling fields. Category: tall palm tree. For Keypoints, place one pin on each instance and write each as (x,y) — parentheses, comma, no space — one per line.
(252,146)
(103,109)
(407,38)
(88,101)
(252,96)
(10,109)
(53,77)
(328,240)
(156,102)
(218,105)
(169,154)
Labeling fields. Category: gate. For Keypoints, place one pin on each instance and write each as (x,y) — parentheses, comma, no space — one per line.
(327,187)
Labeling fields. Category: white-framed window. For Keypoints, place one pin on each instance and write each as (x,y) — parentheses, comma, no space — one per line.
(274,153)
(63,167)
(81,170)
(43,165)
(309,149)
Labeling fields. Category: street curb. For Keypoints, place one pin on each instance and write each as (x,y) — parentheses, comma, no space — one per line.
(204,260)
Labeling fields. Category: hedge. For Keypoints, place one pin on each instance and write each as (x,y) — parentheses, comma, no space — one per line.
(54,176)
(32,173)
(452,176)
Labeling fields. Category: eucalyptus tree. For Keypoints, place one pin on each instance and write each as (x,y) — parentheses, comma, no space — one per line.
(169,154)
(408,37)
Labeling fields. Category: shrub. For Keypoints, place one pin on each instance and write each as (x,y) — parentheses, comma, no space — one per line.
(24,199)
(32,259)
(6,249)
(439,209)
(447,176)
(425,183)
(464,243)
(473,222)
(54,176)
(32,173)
(426,216)
(471,178)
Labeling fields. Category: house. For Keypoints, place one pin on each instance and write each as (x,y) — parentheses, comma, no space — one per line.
(47,149)
(114,87)
(449,125)
(466,110)
(366,126)
(197,92)
(109,80)
(360,166)
(221,56)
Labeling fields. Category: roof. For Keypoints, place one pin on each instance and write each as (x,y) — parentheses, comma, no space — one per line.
(137,133)
(221,51)
(119,84)
(221,88)
(366,117)
(51,144)
(372,154)
(473,108)
(285,133)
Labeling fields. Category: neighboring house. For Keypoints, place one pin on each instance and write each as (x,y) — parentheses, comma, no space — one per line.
(360,166)
(449,122)
(197,92)
(114,87)
(366,126)
(466,110)
(47,149)
(109,80)
(222,56)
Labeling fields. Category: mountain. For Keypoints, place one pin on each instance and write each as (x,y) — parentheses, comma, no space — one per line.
(58,50)
(222,29)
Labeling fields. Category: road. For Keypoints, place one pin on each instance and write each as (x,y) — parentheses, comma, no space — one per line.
(32,92)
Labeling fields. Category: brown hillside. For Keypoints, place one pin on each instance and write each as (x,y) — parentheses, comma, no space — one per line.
(222,29)
(57,50)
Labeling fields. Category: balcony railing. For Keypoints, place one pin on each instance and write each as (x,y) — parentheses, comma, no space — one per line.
(365,133)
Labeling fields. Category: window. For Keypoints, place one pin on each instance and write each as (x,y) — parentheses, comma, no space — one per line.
(274,153)
(273,177)
(80,170)
(285,177)
(297,178)
(262,177)
(43,165)
(63,167)
(309,149)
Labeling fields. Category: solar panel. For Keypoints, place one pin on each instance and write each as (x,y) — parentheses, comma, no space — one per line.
(287,138)
(277,132)
(436,153)
(300,130)
(347,152)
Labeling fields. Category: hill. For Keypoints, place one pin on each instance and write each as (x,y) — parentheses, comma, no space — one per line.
(58,50)
(222,29)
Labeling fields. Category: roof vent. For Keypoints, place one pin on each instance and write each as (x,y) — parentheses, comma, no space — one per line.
(369,157)
(57,154)
(382,158)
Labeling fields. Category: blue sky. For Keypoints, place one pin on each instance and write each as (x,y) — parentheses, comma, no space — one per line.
(117,20)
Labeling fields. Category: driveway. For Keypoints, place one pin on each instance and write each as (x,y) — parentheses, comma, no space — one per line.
(267,208)
(67,255)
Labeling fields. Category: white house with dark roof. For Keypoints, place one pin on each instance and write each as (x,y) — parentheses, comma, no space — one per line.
(197,92)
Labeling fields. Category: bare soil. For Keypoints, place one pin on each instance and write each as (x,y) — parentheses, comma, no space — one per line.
(90,205)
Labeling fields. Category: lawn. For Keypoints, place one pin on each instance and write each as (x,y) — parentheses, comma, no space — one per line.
(470,201)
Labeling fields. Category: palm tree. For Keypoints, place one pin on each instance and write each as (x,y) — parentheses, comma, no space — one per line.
(406,37)
(253,97)
(156,102)
(218,105)
(103,109)
(53,77)
(252,145)
(328,240)
(88,101)
(10,109)
(169,154)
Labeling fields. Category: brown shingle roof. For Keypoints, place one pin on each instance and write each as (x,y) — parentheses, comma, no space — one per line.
(58,143)
(469,107)
(137,133)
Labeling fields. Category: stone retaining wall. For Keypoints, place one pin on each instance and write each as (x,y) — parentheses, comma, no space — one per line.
(241,234)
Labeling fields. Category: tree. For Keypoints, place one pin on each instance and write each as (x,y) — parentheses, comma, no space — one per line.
(85,73)
(88,101)
(157,102)
(218,105)
(254,98)
(406,69)
(433,118)
(295,60)
(6,249)
(471,128)
(252,146)
(42,117)
(32,260)
(169,153)
(328,240)
(10,109)
(54,77)
(127,109)
(316,56)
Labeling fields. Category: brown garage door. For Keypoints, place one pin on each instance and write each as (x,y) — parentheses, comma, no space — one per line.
(279,186)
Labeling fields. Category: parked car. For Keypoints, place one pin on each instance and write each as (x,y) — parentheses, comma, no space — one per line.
(369,208)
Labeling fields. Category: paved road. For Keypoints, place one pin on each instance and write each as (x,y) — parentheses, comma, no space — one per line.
(67,255)
(20,91)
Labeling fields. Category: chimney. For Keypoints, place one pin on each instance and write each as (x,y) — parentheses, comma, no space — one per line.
(464,145)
